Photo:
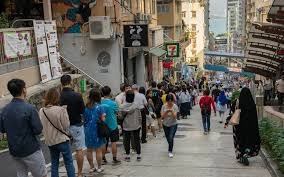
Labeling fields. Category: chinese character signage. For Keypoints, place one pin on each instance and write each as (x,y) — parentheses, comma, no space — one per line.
(135,35)
(172,49)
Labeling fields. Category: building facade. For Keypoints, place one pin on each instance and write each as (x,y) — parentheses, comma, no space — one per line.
(236,25)
(194,19)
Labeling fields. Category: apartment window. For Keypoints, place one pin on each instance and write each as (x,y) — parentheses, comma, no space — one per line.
(163,8)
(183,14)
(193,27)
(126,5)
(193,14)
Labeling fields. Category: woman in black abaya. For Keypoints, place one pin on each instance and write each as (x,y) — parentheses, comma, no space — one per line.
(246,134)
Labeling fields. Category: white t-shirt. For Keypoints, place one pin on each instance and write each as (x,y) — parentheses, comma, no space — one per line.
(140,99)
(119,99)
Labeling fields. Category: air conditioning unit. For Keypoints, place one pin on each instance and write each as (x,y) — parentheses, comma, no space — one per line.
(100,27)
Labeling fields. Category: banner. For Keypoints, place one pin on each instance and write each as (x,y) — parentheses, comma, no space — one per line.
(17,44)
(42,50)
(53,49)
(135,35)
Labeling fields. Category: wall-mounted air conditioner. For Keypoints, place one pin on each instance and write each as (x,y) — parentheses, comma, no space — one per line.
(100,27)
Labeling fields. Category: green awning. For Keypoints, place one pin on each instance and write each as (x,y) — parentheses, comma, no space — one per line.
(158,51)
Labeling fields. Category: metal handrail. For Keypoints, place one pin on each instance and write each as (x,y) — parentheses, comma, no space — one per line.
(83,72)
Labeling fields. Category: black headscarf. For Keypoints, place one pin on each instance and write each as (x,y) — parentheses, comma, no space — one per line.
(248,126)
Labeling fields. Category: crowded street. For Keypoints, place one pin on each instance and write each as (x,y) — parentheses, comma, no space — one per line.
(196,155)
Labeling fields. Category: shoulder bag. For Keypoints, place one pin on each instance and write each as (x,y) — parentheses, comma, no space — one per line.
(235,120)
(61,131)
(103,130)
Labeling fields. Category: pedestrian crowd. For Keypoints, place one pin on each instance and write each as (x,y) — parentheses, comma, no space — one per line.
(65,120)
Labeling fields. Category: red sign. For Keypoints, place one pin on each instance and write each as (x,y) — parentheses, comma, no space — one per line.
(168,65)
(280,52)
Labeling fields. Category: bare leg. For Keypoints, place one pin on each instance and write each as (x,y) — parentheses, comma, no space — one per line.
(160,124)
(153,130)
(99,156)
(114,149)
(90,158)
(80,161)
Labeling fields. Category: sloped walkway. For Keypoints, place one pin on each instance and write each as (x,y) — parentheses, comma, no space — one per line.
(196,155)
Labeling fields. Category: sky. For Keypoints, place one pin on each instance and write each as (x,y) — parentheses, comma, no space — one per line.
(218,8)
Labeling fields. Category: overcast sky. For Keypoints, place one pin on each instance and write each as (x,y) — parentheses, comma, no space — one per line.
(218,7)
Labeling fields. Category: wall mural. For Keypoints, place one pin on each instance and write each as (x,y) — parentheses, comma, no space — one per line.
(70,15)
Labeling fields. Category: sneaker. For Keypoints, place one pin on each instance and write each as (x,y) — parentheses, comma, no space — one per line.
(115,161)
(205,133)
(144,141)
(99,170)
(220,122)
(127,158)
(92,170)
(139,157)
(171,155)
(104,161)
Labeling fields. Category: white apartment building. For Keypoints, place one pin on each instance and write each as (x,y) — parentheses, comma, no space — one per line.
(236,24)
(193,18)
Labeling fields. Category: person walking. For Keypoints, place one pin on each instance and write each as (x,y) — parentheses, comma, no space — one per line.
(221,105)
(157,100)
(131,124)
(75,108)
(246,133)
(56,126)
(21,122)
(205,104)
(151,113)
(280,90)
(185,100)
(169,115)
(141,100)
(267,86)
(93,113)
(111,109)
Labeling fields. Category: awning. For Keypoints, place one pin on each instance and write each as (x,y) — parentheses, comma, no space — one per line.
(157,51)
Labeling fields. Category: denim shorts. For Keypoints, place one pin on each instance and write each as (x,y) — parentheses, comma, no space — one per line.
(78,135)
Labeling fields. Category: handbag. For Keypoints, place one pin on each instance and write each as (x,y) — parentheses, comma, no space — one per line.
(61,131)
(103,130)
(235,119)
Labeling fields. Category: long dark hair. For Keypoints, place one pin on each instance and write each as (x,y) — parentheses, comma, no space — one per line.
(94,98)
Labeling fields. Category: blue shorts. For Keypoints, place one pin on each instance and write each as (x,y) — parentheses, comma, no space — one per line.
(78,135)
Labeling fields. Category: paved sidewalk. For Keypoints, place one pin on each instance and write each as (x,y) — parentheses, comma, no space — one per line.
(196,155)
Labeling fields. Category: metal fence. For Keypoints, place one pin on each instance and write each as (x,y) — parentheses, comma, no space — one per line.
(3,58)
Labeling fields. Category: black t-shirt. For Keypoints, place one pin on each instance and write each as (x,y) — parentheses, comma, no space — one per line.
(156,97)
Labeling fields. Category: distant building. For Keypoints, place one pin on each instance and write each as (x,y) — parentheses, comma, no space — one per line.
(236,25)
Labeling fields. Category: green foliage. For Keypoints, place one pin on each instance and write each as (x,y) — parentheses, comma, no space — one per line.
(4,21)
(272,137)
(3,144)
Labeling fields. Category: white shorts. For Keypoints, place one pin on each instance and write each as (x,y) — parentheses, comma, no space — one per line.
(150,121)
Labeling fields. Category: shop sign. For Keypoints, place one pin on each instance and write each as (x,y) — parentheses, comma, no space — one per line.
(172,49)
(135,35)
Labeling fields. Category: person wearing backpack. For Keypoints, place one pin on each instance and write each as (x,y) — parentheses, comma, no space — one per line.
(205,105)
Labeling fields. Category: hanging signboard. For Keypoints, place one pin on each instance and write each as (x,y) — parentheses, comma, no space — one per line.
(42,50)
(172,49)
(53,49)
(135,35)
(17,44)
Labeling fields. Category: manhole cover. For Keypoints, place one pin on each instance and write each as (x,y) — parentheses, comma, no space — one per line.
(185,124)
(180,136)
(226,133)
(185,129)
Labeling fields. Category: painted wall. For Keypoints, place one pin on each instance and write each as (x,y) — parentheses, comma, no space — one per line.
(110,75)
